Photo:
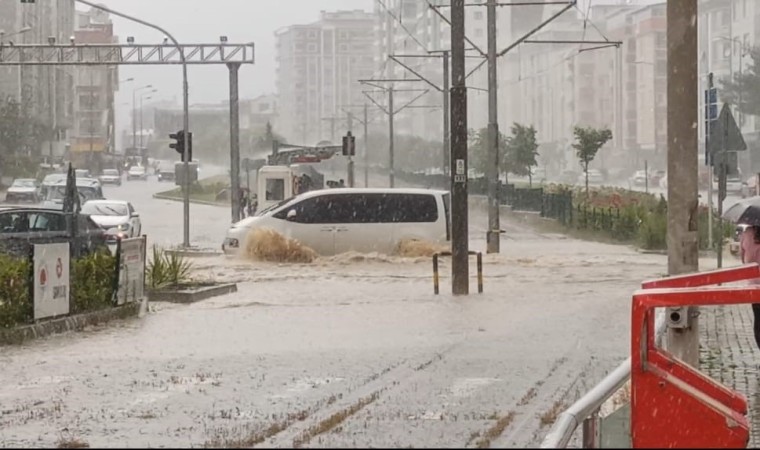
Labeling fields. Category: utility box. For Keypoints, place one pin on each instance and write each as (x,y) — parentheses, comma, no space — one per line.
(179,173)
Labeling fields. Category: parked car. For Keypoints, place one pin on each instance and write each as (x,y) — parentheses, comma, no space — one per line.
(137,173)
(594,177)
(165,172)
(656,176)
(639,178)
(734,185)
(88,189)
(23,190)
(333,221)
(22,227)
(110,176)
(118,218)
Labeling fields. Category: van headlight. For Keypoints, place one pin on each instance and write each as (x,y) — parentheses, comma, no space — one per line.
(123,227)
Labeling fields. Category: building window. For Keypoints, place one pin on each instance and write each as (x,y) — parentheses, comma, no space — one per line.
(311,48)
(478,15)
(478,32)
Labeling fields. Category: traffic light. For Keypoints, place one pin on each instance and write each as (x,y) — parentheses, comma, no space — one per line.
(349,145)
(179,146)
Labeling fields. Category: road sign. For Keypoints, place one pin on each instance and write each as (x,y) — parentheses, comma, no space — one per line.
(725,135)
(711,115)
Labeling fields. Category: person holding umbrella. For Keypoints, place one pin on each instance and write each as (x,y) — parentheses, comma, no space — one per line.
(747,212)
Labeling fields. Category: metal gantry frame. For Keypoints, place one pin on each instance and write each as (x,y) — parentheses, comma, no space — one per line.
(229,54)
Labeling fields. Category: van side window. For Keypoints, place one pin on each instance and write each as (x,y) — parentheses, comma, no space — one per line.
(413,208)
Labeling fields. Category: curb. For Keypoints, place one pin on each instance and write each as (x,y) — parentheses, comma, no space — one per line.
(192,296)
(178,199)
(19,335)
(195,253)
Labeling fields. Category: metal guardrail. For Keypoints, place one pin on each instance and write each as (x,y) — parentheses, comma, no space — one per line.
(569,421)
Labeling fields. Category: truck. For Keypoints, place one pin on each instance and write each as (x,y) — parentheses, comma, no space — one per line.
(278,183)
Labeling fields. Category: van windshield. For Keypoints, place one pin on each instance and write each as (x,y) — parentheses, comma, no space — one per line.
(273,207)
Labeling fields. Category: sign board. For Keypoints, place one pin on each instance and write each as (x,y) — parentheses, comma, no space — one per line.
(131,270)
(725,135)
(460,167)
(51,280)
(459,178)
(179,173)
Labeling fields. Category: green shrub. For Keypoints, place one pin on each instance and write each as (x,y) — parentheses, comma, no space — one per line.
(16,305)
(92,282)
(653,231)
(167,269)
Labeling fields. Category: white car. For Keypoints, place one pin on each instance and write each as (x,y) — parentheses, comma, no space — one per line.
(334,221)
(23,190)
(110,176)
(137,173)
(639,178)
(118,218)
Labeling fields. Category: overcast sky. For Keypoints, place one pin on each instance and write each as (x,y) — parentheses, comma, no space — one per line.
(197,21)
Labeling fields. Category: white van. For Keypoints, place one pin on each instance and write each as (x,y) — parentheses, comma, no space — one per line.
(334,221)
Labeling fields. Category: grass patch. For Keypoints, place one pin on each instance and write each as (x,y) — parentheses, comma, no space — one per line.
(72,443)
(496,430)
(550,416)
(333,421)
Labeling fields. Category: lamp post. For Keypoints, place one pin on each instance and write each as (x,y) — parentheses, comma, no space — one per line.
(134,113)
(143,97)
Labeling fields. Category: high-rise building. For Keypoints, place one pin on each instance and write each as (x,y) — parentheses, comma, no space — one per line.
(319,66)
(93,132)
(45,91)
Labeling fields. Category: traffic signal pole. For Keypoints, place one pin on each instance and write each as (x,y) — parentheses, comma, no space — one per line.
(493,235)
(234,142)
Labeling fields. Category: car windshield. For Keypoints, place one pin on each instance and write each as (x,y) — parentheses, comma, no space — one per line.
(104,209)
(26,183)
(59,193)
(137,169)
(110,172)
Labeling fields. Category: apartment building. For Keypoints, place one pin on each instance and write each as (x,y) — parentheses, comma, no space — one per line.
(93,133)
(319,66)
(46,91)
(417,27)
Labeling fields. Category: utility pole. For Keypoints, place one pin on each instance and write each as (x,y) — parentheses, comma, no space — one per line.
(366,146)
(446,113)
(460,264)
(710,167)
(493,234)
(391,138)
(350,121)
(683,239)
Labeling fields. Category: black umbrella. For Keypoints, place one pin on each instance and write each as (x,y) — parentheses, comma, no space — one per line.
(745,211)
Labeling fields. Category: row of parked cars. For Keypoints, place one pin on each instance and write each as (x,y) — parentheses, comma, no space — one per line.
(33,213)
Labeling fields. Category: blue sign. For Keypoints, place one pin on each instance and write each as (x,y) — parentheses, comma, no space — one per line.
(711,115)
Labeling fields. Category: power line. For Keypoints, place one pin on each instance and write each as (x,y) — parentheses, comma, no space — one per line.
(401,23)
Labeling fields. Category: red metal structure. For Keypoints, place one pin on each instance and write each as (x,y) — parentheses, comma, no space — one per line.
(672,404)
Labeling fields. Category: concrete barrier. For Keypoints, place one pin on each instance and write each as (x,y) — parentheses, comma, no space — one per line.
(19,335)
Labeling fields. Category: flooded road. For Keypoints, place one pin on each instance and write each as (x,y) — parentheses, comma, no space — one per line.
(352,350)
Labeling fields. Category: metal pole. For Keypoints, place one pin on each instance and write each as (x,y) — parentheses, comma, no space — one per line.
(366,147)
(142,128)
(683,240)
(710,173)
(722,169)
(234,141)
(51,112)
(492,235)
(350,168)
(134,118)
(460,265)
(446,114)
(391,172)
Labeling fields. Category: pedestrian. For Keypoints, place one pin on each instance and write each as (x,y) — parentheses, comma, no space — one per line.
(750,253)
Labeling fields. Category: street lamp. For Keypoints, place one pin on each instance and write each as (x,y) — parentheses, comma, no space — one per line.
(143,97)
(134,113)
(743,51)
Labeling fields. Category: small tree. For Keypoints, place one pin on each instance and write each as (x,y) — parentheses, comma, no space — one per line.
(588,141)
(743,89)
(522,150)
(478,152)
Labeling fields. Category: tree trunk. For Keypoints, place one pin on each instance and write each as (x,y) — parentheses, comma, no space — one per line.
(530,180)
(585,171)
